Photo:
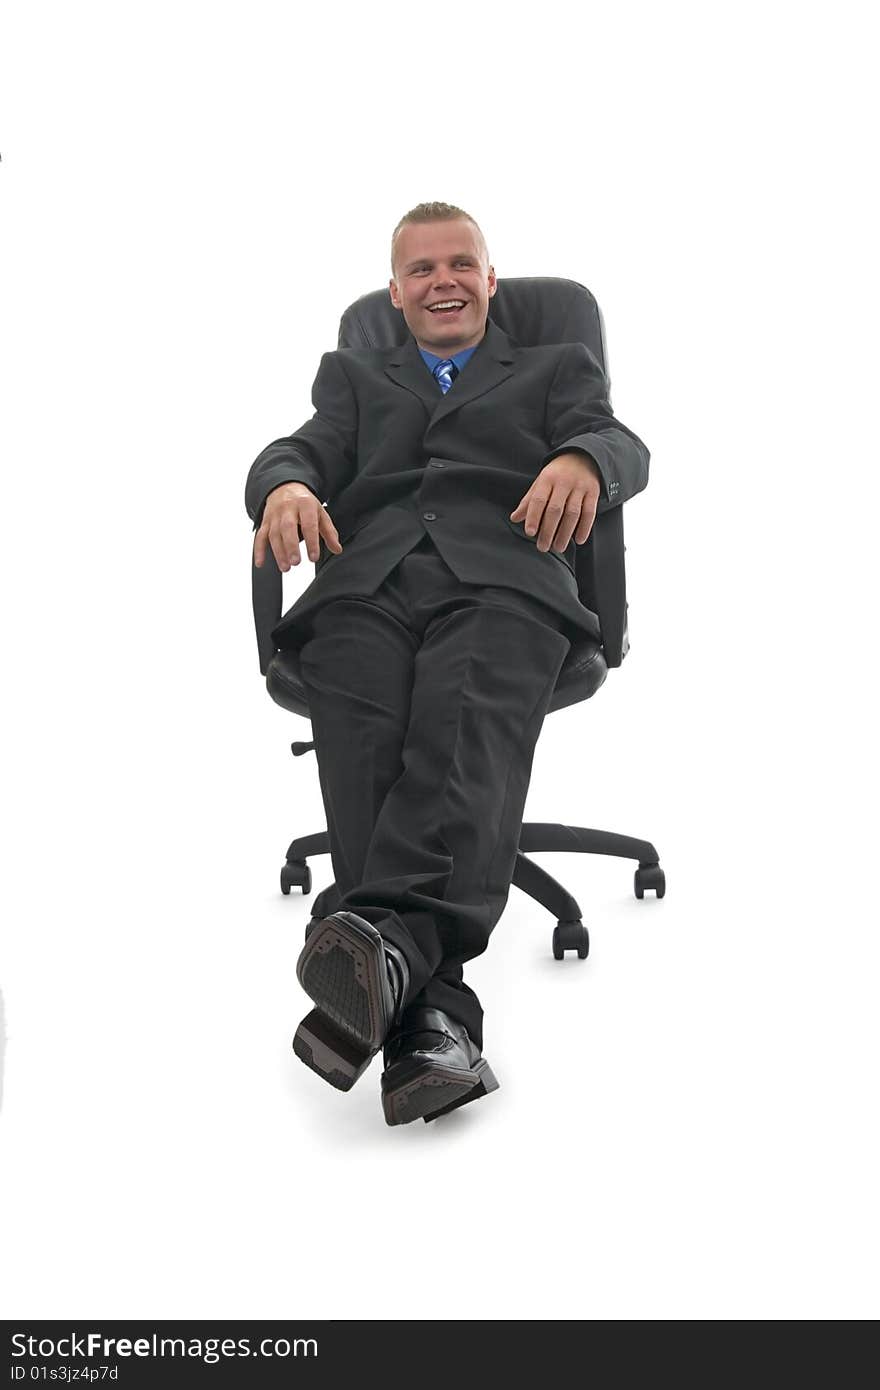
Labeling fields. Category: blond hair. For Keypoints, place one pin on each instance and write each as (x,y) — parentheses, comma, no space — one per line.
(435,212)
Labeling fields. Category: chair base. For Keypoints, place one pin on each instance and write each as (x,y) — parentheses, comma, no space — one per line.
(569,934)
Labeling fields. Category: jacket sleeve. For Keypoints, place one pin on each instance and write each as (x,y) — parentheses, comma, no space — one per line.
(579,417)
(321,454)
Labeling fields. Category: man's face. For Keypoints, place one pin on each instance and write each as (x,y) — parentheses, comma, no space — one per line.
(436,262)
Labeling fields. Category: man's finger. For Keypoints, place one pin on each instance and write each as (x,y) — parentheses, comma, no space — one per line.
(308,523)
(290,538)
(588,516)
(534,515)
(329,532)
(571,518)
(279,550)
(535,512)
(551,514)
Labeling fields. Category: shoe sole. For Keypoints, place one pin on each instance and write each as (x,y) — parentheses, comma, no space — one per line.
(425,1090)
(340,968)
(335,1056)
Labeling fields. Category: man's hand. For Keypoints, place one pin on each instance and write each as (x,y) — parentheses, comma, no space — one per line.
(562,501)
(292,509)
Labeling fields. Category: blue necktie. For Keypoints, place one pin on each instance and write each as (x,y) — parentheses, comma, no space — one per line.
(446,372)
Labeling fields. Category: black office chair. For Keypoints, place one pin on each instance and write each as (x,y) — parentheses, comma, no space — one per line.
(532,311)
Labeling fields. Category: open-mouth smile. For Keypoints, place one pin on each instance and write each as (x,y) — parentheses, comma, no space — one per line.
(447,308)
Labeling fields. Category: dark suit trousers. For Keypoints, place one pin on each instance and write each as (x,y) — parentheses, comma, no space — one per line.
(426,701)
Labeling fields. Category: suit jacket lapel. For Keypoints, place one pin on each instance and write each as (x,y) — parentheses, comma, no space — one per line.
(490,365)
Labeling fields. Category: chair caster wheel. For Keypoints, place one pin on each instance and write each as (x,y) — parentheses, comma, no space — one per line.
(570,936)
(649,876)
(296,873)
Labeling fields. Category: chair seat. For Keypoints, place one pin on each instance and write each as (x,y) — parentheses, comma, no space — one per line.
(583,671)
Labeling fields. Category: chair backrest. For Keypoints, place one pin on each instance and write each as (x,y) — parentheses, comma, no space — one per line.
(534,310)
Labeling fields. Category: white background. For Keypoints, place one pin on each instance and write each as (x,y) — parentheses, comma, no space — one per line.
(190,196)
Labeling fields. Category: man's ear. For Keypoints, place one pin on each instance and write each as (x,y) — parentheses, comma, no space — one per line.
(494,285)
(395,297)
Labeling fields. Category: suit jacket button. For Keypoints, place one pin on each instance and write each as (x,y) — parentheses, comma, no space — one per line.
(429,516)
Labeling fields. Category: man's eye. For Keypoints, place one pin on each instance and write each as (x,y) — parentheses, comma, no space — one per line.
(422,269)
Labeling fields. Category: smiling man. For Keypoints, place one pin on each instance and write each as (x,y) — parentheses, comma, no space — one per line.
(462,470)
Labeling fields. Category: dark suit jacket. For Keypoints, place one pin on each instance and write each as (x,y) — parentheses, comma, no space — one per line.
(392,458)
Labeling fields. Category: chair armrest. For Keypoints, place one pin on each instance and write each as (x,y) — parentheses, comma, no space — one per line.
(601,578)
(266,592)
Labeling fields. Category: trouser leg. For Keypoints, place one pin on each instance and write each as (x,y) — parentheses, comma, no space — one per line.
(426,703)
(440,861)
(357,668)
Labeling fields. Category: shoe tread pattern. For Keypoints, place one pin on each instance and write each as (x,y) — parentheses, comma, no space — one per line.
(340,973)
(426,1093)
(484,1087)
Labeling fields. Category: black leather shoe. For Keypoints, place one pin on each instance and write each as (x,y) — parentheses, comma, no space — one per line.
(431,1067)
(358,981)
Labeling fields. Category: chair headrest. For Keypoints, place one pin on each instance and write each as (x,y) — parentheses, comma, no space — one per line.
(532,310)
